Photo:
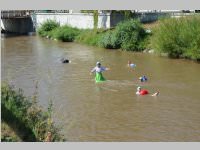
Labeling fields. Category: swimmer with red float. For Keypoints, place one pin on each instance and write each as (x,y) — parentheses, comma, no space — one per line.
(141,91)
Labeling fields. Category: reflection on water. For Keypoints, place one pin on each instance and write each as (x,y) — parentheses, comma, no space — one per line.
(109,111)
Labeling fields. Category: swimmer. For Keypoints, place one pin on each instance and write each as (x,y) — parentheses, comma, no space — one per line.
(64,60)
(141,91)
(130,64)
(143,78)
(98,72)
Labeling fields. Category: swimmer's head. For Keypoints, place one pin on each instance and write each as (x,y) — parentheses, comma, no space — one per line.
(138,88)
(129,62)
(98,63)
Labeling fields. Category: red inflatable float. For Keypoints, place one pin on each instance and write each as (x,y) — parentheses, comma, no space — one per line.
(143,92)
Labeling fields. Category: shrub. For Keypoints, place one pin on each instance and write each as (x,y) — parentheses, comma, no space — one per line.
(66,33)
(109,40)
(47,26)
(178,37)
(128,35)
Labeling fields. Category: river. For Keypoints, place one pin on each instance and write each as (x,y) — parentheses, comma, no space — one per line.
(109,111)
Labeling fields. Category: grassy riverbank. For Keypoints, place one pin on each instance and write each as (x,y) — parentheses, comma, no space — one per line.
(24,120)
(177,38)
(8,134)
(128,35)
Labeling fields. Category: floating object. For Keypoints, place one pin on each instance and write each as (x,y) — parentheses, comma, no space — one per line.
(143,92)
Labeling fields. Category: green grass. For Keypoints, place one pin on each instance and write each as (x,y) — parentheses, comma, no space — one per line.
(178,37)
(89,37)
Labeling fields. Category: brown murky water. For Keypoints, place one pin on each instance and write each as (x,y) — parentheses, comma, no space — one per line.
(109,111)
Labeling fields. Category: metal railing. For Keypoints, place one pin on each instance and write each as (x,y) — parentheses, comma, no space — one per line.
(15,13)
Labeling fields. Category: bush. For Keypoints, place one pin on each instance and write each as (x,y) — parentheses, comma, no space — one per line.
(27,116)
(109,40)
(65,33)
(178,37)
(128,35)
(47,26)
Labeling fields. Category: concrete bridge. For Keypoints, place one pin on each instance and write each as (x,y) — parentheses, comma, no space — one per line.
(17,21)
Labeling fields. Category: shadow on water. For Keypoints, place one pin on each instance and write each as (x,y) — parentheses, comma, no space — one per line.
(10,34)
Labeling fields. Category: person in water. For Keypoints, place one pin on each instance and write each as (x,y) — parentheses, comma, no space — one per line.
(130,64)
(141,91)
(64,60)
(143,79)
(98,72)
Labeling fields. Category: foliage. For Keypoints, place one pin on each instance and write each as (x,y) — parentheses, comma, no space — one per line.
(47,26)
(95,16)
(90,37)
(65,33)
(178,37)
(128,14)
(8,134)
(128,35)
(27,116)
(109,40)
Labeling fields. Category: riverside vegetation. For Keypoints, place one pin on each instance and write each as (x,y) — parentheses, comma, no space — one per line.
(178,38)
(25,118)
(128,35)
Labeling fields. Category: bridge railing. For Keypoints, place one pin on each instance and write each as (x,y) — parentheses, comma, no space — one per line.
(15,13)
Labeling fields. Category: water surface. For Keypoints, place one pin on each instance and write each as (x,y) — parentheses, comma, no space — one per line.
(109,111)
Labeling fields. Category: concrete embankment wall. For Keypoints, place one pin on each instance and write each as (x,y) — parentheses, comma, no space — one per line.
(86,20)
(79,20)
